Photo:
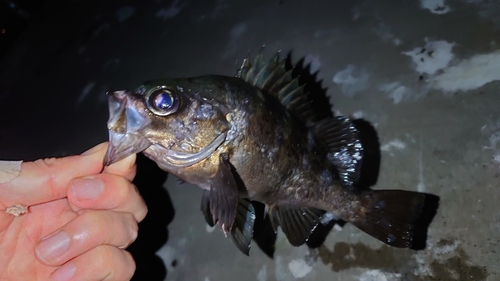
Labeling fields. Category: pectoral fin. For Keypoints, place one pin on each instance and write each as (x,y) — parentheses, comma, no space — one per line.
(242,230)
(224,196)
(205,207)
(296,223)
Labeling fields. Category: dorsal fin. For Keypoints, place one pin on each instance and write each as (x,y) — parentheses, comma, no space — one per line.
(273,78)
(344,145)
(338,133)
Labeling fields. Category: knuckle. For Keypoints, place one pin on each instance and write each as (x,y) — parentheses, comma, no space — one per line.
(103,257)
(97,218)
(123,189)
(122,266)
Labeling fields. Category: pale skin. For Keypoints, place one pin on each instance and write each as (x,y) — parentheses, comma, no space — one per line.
(79,220)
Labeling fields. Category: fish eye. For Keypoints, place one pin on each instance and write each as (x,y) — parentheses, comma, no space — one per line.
(162,102)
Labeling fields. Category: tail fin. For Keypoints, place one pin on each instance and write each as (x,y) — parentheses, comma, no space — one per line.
(390,215)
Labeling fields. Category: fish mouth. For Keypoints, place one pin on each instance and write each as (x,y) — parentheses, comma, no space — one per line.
(185,159)
(125,139)
(123,126)
(123,145)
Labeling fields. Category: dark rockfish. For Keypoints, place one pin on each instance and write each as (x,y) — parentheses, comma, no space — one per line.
(255,137)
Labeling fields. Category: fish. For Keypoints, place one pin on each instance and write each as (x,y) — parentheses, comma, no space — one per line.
(255,137)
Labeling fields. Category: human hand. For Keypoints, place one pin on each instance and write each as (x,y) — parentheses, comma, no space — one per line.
(78,223)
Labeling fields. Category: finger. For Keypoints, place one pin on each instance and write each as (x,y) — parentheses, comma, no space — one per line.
(47,179)
(101,263)
(86,232)
(107,192)
(125,167)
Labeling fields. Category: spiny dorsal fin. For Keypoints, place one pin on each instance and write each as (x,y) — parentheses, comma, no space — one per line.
(273,78)
(345,149)
(296,223)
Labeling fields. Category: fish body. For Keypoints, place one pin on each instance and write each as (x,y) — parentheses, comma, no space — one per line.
(255,137)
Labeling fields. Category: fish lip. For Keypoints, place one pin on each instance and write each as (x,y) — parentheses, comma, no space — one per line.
(185,159)
(123,145)
(124,140)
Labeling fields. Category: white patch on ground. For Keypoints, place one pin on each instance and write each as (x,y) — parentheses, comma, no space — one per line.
(170,12)
(299,268)
(358,114)
(469,74)
(314,61)
(435,6)
(432,253)
(352,80)
(279,269)
(434,56)
(394,144)
(235,34)
(492,130)
(124,13)
(337,227)
(378,275)
(85,93)
(209,228)
(494,140)
(262,275)
(443,250)
(168,254)
(396,91)
(328,217)
(496,158)
(422,268)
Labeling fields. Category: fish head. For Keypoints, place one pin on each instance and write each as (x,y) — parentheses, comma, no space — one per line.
(177,123)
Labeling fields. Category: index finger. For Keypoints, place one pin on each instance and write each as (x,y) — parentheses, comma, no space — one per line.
(45,180)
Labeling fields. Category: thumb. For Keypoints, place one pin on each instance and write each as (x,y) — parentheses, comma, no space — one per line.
(45,180)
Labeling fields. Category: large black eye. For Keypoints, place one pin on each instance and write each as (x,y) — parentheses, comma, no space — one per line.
(163,102)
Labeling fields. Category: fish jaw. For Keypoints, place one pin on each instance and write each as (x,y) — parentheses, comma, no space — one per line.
(123,145)
(123,125)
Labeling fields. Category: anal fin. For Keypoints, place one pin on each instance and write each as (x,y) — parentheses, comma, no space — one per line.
(296,223)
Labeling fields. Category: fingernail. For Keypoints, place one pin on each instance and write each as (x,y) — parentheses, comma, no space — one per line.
(93,149)
(53,246)
(87,188)
(64,273)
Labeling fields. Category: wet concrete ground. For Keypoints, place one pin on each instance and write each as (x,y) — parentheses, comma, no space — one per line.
(424,73)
